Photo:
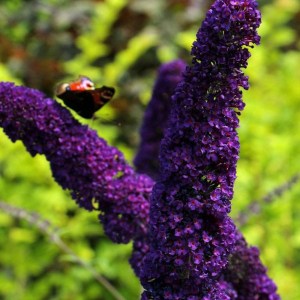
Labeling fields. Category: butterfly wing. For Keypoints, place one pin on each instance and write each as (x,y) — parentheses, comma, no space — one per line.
(86,103)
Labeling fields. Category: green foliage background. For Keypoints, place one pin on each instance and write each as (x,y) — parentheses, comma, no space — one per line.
(121,43)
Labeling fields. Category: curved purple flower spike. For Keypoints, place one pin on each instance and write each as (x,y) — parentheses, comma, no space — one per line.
(95,173)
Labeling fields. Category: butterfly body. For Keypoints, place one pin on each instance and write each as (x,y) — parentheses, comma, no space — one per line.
(81,96)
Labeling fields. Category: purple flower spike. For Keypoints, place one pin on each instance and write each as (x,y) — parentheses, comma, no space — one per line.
(95,173)
(156,116)
(191,234)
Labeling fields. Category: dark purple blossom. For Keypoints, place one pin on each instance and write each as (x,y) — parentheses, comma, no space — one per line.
(247,274)
(156,116)
(198,160)
(95,173)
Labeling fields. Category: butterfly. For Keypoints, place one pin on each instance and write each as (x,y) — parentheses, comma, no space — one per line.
(82,96)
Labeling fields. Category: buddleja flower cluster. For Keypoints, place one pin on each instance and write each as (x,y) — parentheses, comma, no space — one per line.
(184,244)
(191,234)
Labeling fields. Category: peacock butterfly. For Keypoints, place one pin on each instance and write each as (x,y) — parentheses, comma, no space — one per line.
(82,96)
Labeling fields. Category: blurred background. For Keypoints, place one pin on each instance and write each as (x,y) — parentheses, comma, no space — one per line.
(121,43)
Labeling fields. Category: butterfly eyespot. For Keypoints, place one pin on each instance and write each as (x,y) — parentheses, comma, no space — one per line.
(61,88)
(89,86)
(86,83)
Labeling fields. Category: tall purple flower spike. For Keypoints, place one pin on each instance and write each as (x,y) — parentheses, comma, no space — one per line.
(191,235)
(155,120)
(95,173)
(156,117)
